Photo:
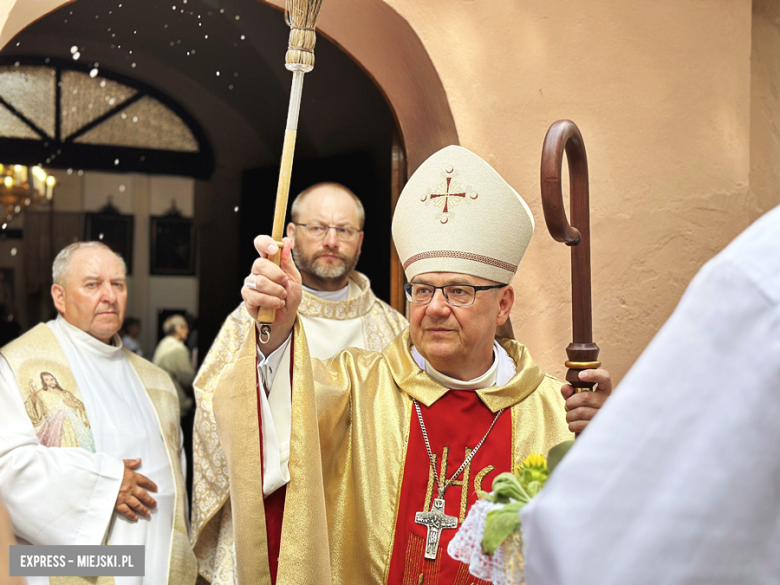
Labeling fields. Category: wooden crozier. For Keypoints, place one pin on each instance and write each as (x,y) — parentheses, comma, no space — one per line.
(564,136)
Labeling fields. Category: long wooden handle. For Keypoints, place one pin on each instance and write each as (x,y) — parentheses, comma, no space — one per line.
(564,137)
(266,317)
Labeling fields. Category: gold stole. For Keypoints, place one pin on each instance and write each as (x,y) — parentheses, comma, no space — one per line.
(24,356)
(304,555)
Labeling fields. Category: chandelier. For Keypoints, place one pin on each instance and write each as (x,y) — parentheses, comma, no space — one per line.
(23,187)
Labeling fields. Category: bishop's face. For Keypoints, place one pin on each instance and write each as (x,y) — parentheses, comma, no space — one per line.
(458,341)
(94,296)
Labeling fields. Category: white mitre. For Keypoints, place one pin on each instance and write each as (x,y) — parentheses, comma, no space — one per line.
(456,214)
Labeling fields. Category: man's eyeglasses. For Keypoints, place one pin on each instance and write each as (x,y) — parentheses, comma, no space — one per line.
(457,295)
(318,231)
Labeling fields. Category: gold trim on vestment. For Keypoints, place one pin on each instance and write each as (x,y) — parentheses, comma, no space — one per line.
(235,412)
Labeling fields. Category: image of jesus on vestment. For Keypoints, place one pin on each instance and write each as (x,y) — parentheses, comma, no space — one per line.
(59,418)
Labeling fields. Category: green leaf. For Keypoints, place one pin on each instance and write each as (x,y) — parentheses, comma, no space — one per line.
(533,488)
(556,454)
(506,486)
(499,525)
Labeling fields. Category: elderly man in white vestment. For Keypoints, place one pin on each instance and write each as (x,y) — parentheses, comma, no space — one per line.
(338,310)
(678,480)
(90,443)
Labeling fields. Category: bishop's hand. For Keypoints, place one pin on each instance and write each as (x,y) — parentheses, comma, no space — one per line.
(274,287)
(581,407)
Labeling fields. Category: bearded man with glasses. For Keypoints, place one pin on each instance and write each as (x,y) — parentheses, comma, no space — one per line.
(338,310)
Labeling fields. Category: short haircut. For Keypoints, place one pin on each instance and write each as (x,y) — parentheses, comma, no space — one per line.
(170,324)
(295,210)
(61,265)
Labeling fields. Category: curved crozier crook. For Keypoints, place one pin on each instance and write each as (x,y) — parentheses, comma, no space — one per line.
(563,135)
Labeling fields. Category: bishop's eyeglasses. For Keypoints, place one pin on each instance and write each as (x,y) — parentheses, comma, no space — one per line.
(318,231)
(457,295)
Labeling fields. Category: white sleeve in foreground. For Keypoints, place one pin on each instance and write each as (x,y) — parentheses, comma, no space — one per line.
(676,480)
(54,495)
(276,416)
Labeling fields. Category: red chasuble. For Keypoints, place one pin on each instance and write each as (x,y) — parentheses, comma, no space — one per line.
(455,424)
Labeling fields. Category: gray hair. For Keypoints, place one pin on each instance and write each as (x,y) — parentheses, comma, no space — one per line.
(295,209)
(61,266)
(170,324)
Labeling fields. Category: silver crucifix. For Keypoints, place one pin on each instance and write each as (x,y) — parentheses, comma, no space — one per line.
(435,520)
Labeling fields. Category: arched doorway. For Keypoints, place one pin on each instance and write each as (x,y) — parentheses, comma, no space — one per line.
(404,74)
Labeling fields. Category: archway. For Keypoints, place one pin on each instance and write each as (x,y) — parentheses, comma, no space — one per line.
(405,76)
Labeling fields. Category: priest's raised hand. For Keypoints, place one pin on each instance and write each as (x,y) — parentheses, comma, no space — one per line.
(274,287)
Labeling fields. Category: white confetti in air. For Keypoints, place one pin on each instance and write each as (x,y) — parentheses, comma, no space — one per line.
(135,118)
(121,188)
(133,65)
(73,49)
(76,55)
(243,37)
(116,161)
(217,73)
(93,73)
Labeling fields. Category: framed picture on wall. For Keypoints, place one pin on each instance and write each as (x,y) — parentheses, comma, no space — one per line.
(114,229)
(173,245)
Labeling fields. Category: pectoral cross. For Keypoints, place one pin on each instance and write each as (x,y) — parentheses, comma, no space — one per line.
(435,520)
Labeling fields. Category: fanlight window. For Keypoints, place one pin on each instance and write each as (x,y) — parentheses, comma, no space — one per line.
(66,116)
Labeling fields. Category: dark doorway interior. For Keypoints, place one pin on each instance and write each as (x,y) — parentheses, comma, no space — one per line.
(367,177)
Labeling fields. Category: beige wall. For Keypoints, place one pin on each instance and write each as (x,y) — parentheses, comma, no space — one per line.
(765,105)
(661,91)
(681,130)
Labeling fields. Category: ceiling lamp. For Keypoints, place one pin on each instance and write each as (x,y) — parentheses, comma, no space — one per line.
(23,187)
